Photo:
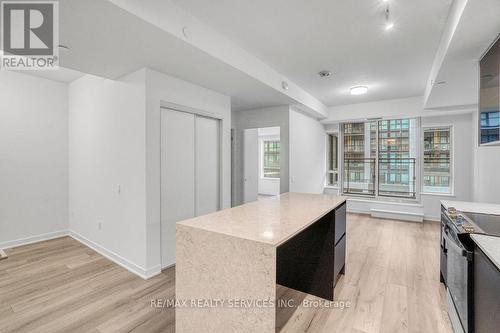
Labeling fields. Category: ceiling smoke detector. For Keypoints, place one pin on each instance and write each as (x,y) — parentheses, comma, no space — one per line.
(388,23)
(325,73)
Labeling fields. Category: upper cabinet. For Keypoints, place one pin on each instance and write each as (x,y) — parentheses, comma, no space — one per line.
(489,96)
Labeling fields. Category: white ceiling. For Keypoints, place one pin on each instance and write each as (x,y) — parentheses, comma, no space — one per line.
(108,41)
(478,27)
(61,74)
(300,38)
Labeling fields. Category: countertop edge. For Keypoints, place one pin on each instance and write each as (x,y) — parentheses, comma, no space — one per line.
(277,243)
(480,239)
(282,241)
(473,207)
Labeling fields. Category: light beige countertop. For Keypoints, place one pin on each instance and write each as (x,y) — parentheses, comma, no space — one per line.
(490,245)
(472,207)
(271,220)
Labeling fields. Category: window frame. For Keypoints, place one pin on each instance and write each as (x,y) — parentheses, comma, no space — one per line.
(451,192)
(327,164)
(480,111)
(262,141)
(418,161)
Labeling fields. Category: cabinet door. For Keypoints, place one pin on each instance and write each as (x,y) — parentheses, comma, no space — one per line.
(339,260)
(486,294)
(305,261)
(340,222)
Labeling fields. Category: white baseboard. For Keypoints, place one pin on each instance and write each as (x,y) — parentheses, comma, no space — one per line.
(432,218)
(33,239)
(395,215)
(128,265)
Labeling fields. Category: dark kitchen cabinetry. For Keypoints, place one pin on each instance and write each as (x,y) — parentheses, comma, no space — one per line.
(313,260)
(486,294)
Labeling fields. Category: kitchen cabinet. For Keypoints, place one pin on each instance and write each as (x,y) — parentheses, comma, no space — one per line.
(486,293)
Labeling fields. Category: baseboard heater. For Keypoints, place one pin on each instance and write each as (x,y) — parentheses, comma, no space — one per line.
(397,215)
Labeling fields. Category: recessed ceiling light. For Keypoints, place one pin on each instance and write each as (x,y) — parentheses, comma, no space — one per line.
(389,26)
(324,73)
(359,90)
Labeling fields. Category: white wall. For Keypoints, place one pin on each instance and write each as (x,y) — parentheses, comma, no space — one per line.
(307,154)
(463,163)
(107,145)
(267,117)
(162,88)
(267,186)
(410,107)
(33,158)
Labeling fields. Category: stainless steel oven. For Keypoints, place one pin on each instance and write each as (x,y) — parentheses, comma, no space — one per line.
(459,275)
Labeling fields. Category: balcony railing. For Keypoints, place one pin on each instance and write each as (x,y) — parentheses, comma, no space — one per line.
(396,177)
(359,176)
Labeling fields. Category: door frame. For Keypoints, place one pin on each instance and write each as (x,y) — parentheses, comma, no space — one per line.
(197,113)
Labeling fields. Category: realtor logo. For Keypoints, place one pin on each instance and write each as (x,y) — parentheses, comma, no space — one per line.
(29,35)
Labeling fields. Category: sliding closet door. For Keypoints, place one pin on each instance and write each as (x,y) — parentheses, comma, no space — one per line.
(207,165)
(177,176)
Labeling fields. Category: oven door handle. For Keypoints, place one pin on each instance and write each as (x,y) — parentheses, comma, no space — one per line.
(468,254)
(459,247)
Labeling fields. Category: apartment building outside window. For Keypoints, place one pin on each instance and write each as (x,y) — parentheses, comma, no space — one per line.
(380,158)
(490,126)
(271,159)
(437,175)
(332,174)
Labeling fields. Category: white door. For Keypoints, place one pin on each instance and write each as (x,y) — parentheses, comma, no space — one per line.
(207,165)
(178,183)
(250,164)
(190,172)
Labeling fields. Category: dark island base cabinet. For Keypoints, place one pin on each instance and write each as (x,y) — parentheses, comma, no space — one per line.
(486,294)
(312,260)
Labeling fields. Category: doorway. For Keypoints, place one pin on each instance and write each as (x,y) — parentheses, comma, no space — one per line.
(190,172)
(261,163)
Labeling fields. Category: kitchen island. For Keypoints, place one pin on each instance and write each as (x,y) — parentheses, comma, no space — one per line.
(229,262)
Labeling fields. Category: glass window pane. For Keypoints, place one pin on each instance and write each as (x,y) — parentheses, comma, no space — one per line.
(437,160)
(396,177)
(271,159)
(332,163)
(359,158)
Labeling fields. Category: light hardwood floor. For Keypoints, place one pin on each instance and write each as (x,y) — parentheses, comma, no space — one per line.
(391,282)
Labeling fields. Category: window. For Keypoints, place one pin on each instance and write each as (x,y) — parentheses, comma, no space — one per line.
(271,159)
(379,158)
(490,127)
(437,160)
(396,167)
(332,173)
(489,96)
(359,158)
